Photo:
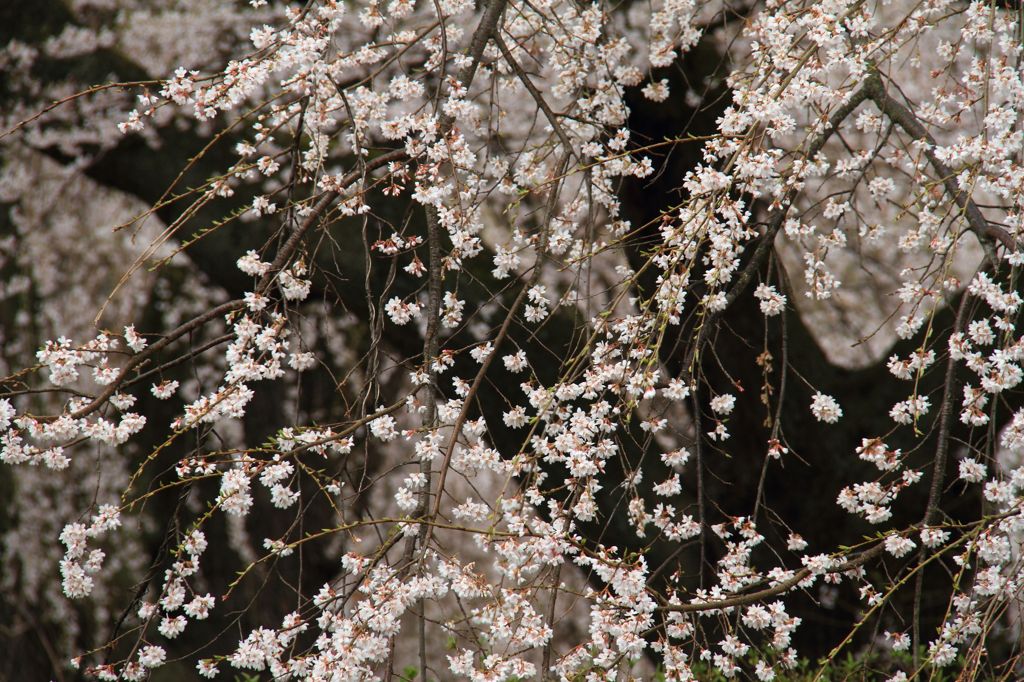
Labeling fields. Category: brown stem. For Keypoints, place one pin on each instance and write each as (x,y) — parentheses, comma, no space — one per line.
(910,123)
(781,588)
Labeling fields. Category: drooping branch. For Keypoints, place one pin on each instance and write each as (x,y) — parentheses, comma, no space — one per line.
(283,256)
(985,231)
(776,218)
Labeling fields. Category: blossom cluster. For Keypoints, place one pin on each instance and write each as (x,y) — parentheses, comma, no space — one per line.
(503,132)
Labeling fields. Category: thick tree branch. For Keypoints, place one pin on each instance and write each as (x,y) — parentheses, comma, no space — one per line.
(775,590)
(906,119)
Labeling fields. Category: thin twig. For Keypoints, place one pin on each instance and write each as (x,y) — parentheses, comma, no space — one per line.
(532,89)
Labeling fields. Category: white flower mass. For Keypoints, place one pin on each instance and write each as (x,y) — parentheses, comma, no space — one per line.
(476,340)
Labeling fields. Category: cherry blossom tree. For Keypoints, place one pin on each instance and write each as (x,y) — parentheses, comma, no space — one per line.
(511,339)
